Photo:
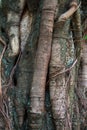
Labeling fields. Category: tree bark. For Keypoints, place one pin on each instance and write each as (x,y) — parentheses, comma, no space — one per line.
(37,93)
(82,82)
(39,87)
(62,84)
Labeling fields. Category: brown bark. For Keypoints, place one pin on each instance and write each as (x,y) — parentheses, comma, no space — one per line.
(69,13)
(37,93)
(58,89)
(27,98)
(60,85)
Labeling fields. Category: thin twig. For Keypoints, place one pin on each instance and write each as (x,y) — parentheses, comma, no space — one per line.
(64,71)
(1,56)
(12,72)
(6,118)
(2,102)
(4,43)
(6,107)
(53,75)
(69,13)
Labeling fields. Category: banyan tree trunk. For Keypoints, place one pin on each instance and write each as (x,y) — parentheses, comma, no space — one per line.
(57,83)
(62,84)
(33,104)
(26,69)
(37,93)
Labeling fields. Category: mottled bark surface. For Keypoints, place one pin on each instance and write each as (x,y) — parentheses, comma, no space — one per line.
(62,84)
(39,69)
(26,69)
(37,93)
(82,82)
(58,87)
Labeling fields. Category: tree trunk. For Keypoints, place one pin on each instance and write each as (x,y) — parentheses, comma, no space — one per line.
(43,69)
(37,93)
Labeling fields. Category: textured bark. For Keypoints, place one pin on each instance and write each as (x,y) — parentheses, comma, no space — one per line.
(3,114)
(77,34)
(77,37)
(67,14)
(58,87)
(25,27)
(23,75)
(76,20)
(25,71)
(82,82)
(62,86)
(37,93)
(16,10)
(29,102)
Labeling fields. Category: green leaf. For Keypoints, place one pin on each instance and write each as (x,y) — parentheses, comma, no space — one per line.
(85,37)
